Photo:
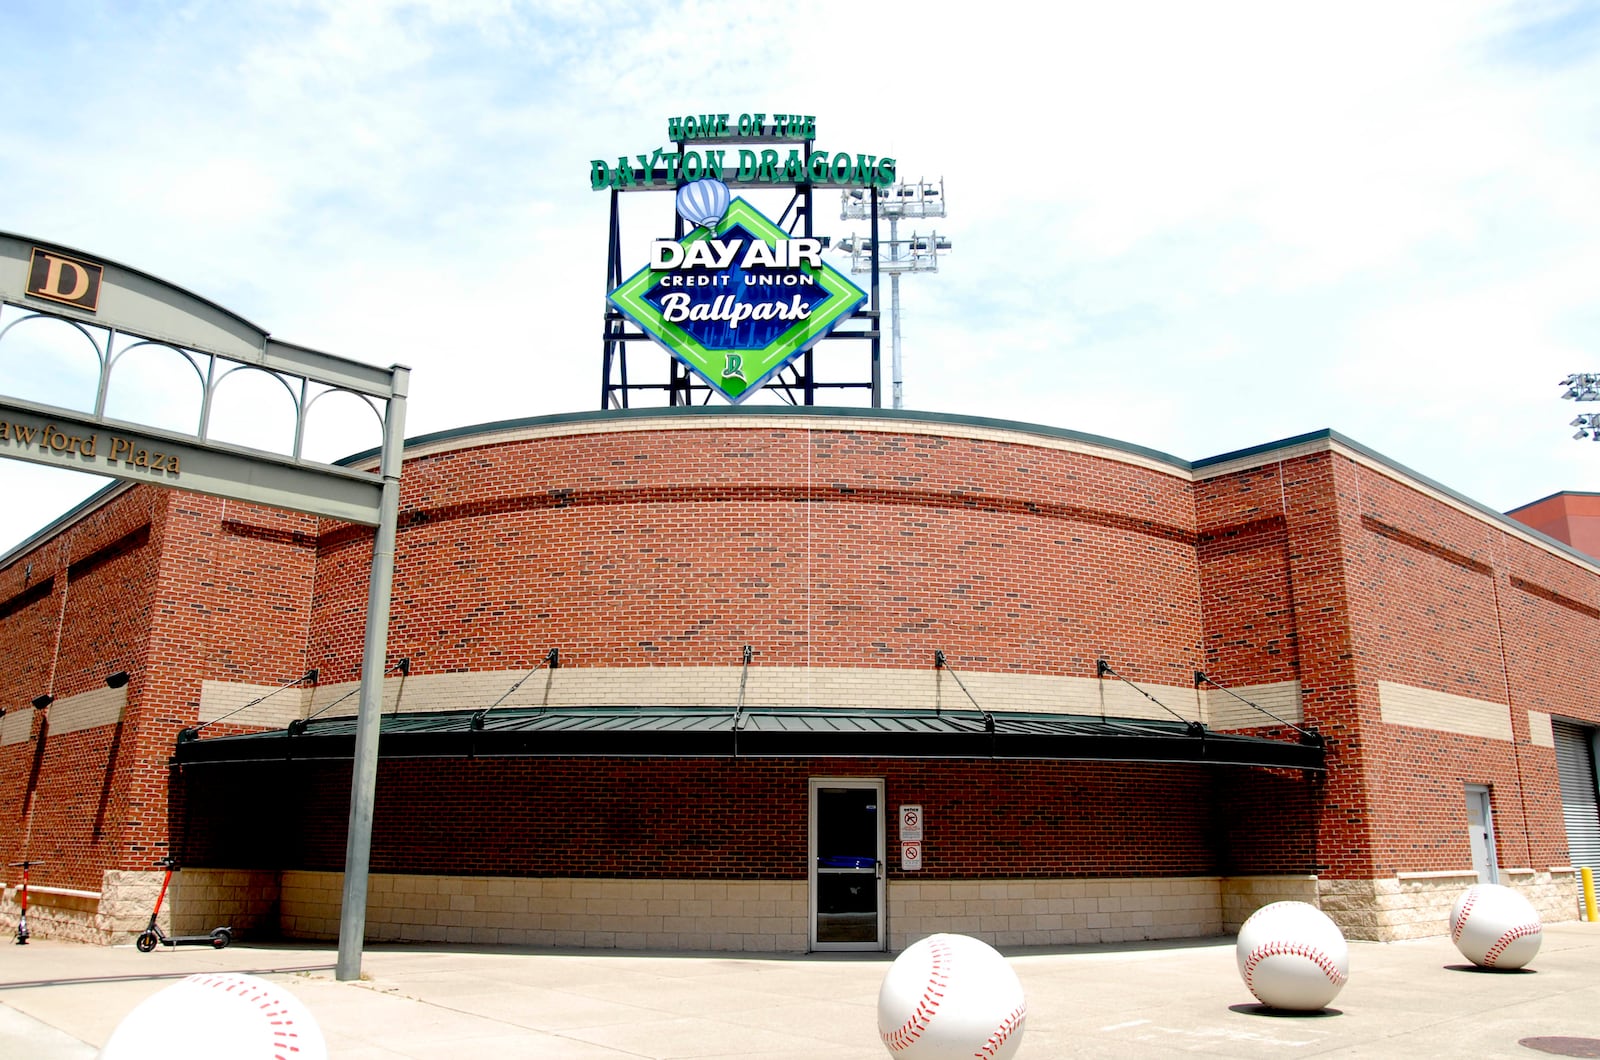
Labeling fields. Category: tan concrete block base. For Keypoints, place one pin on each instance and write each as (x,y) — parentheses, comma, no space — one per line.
(197,901)
(754,916)
(732,915)
(245,900)
(746,916)
(126,898)
(62,917)
(1055,912)
(1243,895)
(1418,905)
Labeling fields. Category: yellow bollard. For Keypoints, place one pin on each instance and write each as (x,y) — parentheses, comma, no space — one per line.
(1588,894)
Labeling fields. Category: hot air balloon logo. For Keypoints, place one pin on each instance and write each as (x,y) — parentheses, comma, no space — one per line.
(703,202)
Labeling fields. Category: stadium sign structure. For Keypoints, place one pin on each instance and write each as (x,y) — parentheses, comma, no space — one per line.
(666,167)
(739,301)
(736,299)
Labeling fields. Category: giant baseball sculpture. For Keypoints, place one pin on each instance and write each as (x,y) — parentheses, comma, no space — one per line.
(1293,957)
(205,1017)
(951,997)
(1495,927)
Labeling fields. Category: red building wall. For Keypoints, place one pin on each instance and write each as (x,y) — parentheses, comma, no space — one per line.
(824,547)
(747,818)
(64,796)
(818,548)
(1273,549)
(1324,569)
(175,589)
(1570,517)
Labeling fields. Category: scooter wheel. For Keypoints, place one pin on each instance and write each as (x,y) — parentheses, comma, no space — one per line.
(220,938)
(145,942)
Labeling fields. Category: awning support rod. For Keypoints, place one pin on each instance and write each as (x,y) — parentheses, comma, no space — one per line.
(297,727)
(939,662)
(552,659)
(738,708)
(744,675)
(1195,728)
(1307,735)
(193,731)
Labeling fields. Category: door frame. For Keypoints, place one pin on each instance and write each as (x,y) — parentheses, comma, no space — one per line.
(1482,794)
(813,785)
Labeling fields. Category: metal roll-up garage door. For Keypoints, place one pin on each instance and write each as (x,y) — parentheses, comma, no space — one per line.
(1575,763)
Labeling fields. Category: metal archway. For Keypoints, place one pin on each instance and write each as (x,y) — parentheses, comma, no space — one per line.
(107,303)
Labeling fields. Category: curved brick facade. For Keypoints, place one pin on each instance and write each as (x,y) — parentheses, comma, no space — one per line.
(837,547)
(1428,640)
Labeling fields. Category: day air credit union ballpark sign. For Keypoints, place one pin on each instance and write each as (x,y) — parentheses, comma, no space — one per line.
(737,299)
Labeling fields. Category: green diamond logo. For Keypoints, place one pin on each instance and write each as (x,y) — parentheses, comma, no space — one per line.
(739,301)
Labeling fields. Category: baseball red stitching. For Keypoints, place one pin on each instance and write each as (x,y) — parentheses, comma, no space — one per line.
(1296,949)
(1012,1021)
(1499,947)
(1461,921)
(277,1014)
(932,994)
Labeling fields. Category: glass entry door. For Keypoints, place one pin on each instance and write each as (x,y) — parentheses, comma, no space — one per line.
(847,885)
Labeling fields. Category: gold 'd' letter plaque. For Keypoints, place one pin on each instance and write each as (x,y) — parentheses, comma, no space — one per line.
(63,279)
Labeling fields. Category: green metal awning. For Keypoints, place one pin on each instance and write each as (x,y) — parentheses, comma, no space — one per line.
(765,732)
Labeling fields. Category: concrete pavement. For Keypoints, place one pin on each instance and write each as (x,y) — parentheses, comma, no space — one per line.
(61,1001)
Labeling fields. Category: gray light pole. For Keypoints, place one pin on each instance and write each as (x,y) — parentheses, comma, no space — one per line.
(364,767)
(896,256)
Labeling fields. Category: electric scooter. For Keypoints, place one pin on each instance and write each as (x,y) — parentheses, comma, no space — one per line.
(22,921)
(153,936)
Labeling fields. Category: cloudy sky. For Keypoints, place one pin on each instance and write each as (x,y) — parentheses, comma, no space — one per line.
(1194,227)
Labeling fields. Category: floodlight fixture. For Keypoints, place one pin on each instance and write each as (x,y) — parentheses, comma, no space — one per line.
(891,257)
(921,198)
(1588,424)
(42,701)
(117,680)
(1582,386)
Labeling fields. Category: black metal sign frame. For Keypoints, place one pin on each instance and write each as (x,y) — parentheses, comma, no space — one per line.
(797,384)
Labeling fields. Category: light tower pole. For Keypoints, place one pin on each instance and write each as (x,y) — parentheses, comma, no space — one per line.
(1584,386)
(896,256)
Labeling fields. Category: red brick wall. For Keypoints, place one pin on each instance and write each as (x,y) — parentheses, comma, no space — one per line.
(1274,543)
(1425,613)
(30,612)
(1550,611)
(174,588)
(63,796)
(1266,822)
(1246,586)
(828,547)
(234,606)
(822,548)
(1570,517)
(1467,608)
(1324,570)
(747,818)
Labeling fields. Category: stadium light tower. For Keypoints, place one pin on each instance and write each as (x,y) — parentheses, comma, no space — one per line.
(1584,386)
(895,256)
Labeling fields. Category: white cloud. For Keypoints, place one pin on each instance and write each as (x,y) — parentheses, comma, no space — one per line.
(1192,227)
